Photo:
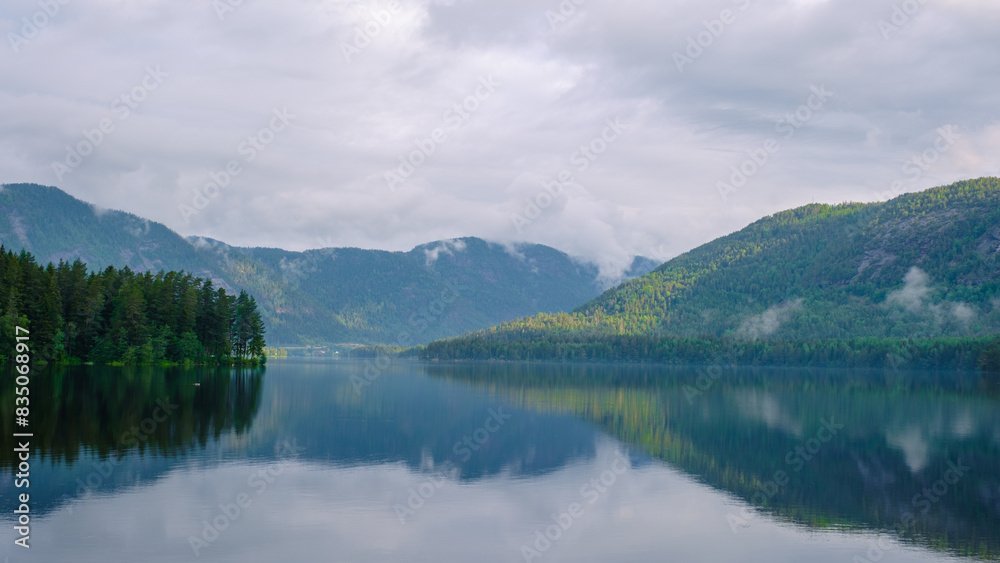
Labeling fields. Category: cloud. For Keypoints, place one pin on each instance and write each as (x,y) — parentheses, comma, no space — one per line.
(512,249)
(913,296)
(768,322)
(448,247)
(324,173)
(297,268)
(137,227)
(963,313)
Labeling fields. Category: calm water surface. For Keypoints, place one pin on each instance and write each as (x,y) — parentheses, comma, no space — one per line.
(469,463)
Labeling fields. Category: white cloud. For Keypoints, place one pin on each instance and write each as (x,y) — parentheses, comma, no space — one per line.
(449,247)
(913,295)
(963,313)
(512,249)
(653,188)
(768,322)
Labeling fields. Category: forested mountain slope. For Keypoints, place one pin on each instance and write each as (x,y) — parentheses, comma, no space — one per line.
(435,290)
(923,265)
(318,296)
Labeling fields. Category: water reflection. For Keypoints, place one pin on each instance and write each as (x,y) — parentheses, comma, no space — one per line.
(410,419)
(914,453)
(472,462)
(112,411)
(98,429)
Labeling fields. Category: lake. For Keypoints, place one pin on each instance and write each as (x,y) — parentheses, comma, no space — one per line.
(406,461)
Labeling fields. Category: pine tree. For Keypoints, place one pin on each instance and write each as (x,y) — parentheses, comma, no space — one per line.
(256,343)
(121,316)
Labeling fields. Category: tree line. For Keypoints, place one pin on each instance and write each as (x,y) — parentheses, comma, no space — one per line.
(883,353)
(122,316)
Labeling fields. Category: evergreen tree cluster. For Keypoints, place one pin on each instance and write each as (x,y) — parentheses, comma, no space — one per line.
(944,353)
(121,316)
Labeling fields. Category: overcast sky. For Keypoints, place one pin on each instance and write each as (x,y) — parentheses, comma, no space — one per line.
(489,101)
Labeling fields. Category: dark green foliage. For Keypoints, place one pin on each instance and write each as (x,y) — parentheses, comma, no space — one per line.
(927,353)
(854,281)
(84,410)
(990,359)
(247,329)
(123,316)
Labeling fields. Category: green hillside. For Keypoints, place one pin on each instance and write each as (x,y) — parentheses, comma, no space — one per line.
(333,295)
(53,225)
(922,266)
(374,296)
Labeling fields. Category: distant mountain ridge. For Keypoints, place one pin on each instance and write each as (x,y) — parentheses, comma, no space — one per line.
(332,295)
(922,265)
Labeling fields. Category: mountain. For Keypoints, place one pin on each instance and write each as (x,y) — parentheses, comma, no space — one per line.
(372,296)
(55,226)
(332,295)
(923,265)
